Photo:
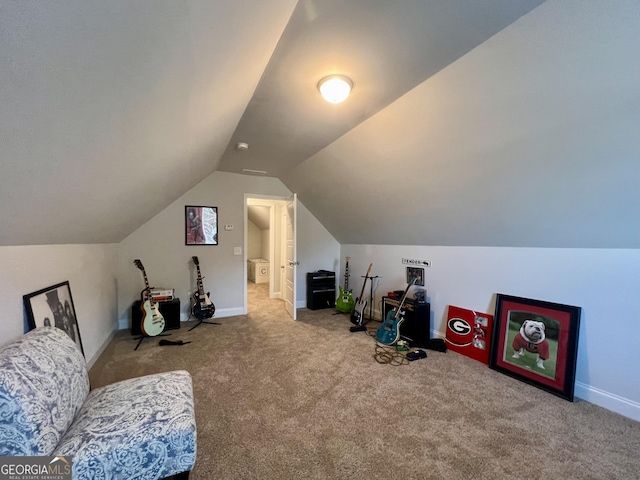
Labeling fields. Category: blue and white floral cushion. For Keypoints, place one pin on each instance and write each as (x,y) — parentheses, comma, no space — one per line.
(43,384)
(141,428)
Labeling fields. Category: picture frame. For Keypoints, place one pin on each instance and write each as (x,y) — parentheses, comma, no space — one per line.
(201,225)
(53,306)
(536,342)
(417,273)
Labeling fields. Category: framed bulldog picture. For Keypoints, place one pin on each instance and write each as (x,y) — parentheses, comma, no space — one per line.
(536,342)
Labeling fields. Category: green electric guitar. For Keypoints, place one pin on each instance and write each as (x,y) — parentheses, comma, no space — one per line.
(345,301)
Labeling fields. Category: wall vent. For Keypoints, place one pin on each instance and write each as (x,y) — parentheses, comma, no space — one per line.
(248,171)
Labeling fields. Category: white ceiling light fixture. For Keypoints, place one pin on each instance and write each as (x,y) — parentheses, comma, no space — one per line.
(335,88)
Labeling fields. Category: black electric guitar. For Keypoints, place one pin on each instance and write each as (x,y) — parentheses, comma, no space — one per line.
(152,323)
(357,315)
(345,301)
(389,332)
(201,305)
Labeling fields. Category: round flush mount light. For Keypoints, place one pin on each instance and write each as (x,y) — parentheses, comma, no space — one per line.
(335,88)
(242,146)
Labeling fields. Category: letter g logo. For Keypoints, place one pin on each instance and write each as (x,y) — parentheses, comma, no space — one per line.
(459,326)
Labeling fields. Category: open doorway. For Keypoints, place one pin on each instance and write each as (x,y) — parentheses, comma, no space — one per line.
(259,252)
(266,250)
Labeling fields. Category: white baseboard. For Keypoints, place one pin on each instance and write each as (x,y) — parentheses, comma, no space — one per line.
(219,313)
(123,323)
(228,312)
(104,345)
(610,401)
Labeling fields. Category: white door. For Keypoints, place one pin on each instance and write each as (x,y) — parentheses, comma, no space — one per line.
(290,259)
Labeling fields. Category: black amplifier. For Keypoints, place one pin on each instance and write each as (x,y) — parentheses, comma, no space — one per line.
(321,277)
(170,310)
(321,289)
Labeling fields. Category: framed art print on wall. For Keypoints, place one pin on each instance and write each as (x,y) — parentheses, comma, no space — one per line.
(53,306)
(417,274)
(201,225)
(537,343)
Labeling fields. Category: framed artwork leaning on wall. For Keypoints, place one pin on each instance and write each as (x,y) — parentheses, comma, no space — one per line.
(53,306)
(536,342)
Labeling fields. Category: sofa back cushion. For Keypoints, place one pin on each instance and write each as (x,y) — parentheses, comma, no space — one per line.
(43,384)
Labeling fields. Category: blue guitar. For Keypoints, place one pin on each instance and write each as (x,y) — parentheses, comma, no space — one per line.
(389,332)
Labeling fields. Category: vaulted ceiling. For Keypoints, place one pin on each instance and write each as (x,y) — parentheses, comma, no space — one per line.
(475,119)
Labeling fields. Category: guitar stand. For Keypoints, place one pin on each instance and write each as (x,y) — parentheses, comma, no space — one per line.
(201,322)
(362,328)
(371,298)
(142,337)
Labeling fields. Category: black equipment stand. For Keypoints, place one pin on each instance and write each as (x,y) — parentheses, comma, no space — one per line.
(371,298)
(200,322)
(362,328)
(142,337)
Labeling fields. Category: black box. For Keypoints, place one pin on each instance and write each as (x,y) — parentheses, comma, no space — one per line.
(170,310)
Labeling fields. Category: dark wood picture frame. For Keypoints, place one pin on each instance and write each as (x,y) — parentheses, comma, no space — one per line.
(53,306)
(417,273)
(200,225)
(547,362)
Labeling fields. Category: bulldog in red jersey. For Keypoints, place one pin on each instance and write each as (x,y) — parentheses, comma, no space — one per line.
(531,338)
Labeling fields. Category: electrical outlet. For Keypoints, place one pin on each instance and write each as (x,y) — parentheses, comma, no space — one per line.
(237,250)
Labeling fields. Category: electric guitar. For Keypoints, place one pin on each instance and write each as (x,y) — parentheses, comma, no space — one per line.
(389,332)
(152,323)
(345,301)
(357,316)
(202,307)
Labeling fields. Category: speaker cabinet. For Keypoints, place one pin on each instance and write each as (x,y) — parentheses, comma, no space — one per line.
(321,290)
(170,311)
(416,326)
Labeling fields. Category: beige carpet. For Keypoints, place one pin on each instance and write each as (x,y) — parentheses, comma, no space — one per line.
(278,399)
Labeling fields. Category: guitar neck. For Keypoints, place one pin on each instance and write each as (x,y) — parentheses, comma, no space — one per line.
(199,281)
(346,274)
(404,297)
(147,289)
(364,282)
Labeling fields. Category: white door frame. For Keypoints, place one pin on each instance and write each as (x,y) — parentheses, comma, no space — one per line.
(276,274)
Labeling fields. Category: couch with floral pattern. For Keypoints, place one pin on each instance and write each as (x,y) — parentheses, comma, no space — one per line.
(141,428)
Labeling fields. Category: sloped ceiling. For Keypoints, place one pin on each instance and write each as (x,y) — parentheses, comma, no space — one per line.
(480,130)
(113,109)
(260,216)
